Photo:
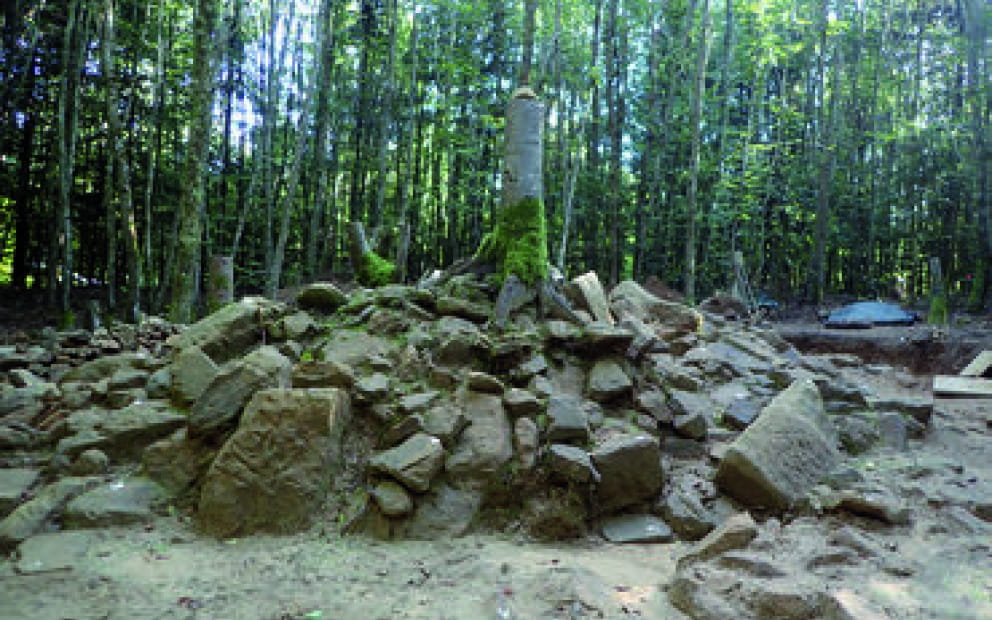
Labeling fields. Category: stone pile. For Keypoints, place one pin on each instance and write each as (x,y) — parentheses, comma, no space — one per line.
(400,412)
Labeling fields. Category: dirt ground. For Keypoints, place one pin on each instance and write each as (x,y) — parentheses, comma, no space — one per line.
(937,567)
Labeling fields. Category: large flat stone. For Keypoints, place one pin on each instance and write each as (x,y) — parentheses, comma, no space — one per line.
(192,371)
(414,462)
(218,407)
(777,460)
(630,471)
(486,444)
(14,483)
(121,502)
(120,433)
(636,529)
(567,420)
(231,331)
(275,470)
(55,551)
(31,517)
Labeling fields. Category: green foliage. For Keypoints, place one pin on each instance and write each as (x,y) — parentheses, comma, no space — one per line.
(938,310)
(520,242)
(375,270)
(976,297)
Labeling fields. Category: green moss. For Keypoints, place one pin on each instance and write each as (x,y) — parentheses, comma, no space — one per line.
(375,270)
(67,320)
(975,298)
(519,242)
(938,310)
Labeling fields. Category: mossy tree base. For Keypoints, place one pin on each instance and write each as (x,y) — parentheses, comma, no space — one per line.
(519,243)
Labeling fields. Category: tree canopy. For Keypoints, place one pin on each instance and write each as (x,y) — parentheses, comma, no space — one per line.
(838,145)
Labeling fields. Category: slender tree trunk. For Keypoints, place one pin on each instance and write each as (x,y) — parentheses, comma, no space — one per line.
(699,83)
(976,26)
(615,109)
(68,114)
(823,169)
(121,200)
(325,69)
(406,188)
(154,146)
(590,214)
(187,267)
(530,10)
(384,118)
(292,181)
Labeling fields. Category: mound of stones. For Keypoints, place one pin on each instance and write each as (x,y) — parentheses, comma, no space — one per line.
(404,412)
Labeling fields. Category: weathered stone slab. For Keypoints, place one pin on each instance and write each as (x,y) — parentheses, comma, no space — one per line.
(521,402)
(639,528)
(486,444)
(30,517)
(176,461)
(122,502)
(275,470)
(120,433)
(685,513)
(231,331)
(445,421)
(104,367)
(322,374)
(630,471)
(414,462)
(443,513)
(484,382)
(607,381)
(567,420)
(192,371)
(586,293)
(14,483)
(221,403)
(978,367)
(737,532)
(779,458)
(630,297)
(52,552)
(572,463)
(392,499)
(692,413)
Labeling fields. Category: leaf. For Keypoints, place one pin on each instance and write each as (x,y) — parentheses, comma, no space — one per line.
(313,615)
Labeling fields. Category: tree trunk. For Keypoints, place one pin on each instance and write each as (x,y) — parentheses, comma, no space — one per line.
(530,9)
(68,114)
(187,266)
(694,115)
(519,242)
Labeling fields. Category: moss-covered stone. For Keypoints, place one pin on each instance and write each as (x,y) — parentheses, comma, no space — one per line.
(519,242)
(375,270)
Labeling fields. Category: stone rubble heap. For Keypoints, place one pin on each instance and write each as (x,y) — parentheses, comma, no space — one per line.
(398,412)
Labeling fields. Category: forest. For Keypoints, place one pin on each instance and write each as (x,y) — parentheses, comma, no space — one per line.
(840,145)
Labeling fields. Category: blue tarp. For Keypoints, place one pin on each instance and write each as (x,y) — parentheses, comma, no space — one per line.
(864,314)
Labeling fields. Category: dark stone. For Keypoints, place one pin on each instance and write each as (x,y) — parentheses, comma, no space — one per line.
(630,470)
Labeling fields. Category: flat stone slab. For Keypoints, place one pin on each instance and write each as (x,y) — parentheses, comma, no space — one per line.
(30,517)
(13,484)
(119,503)
(782,455)
(414,462)
(567,420)
(57,551)
(636,529)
